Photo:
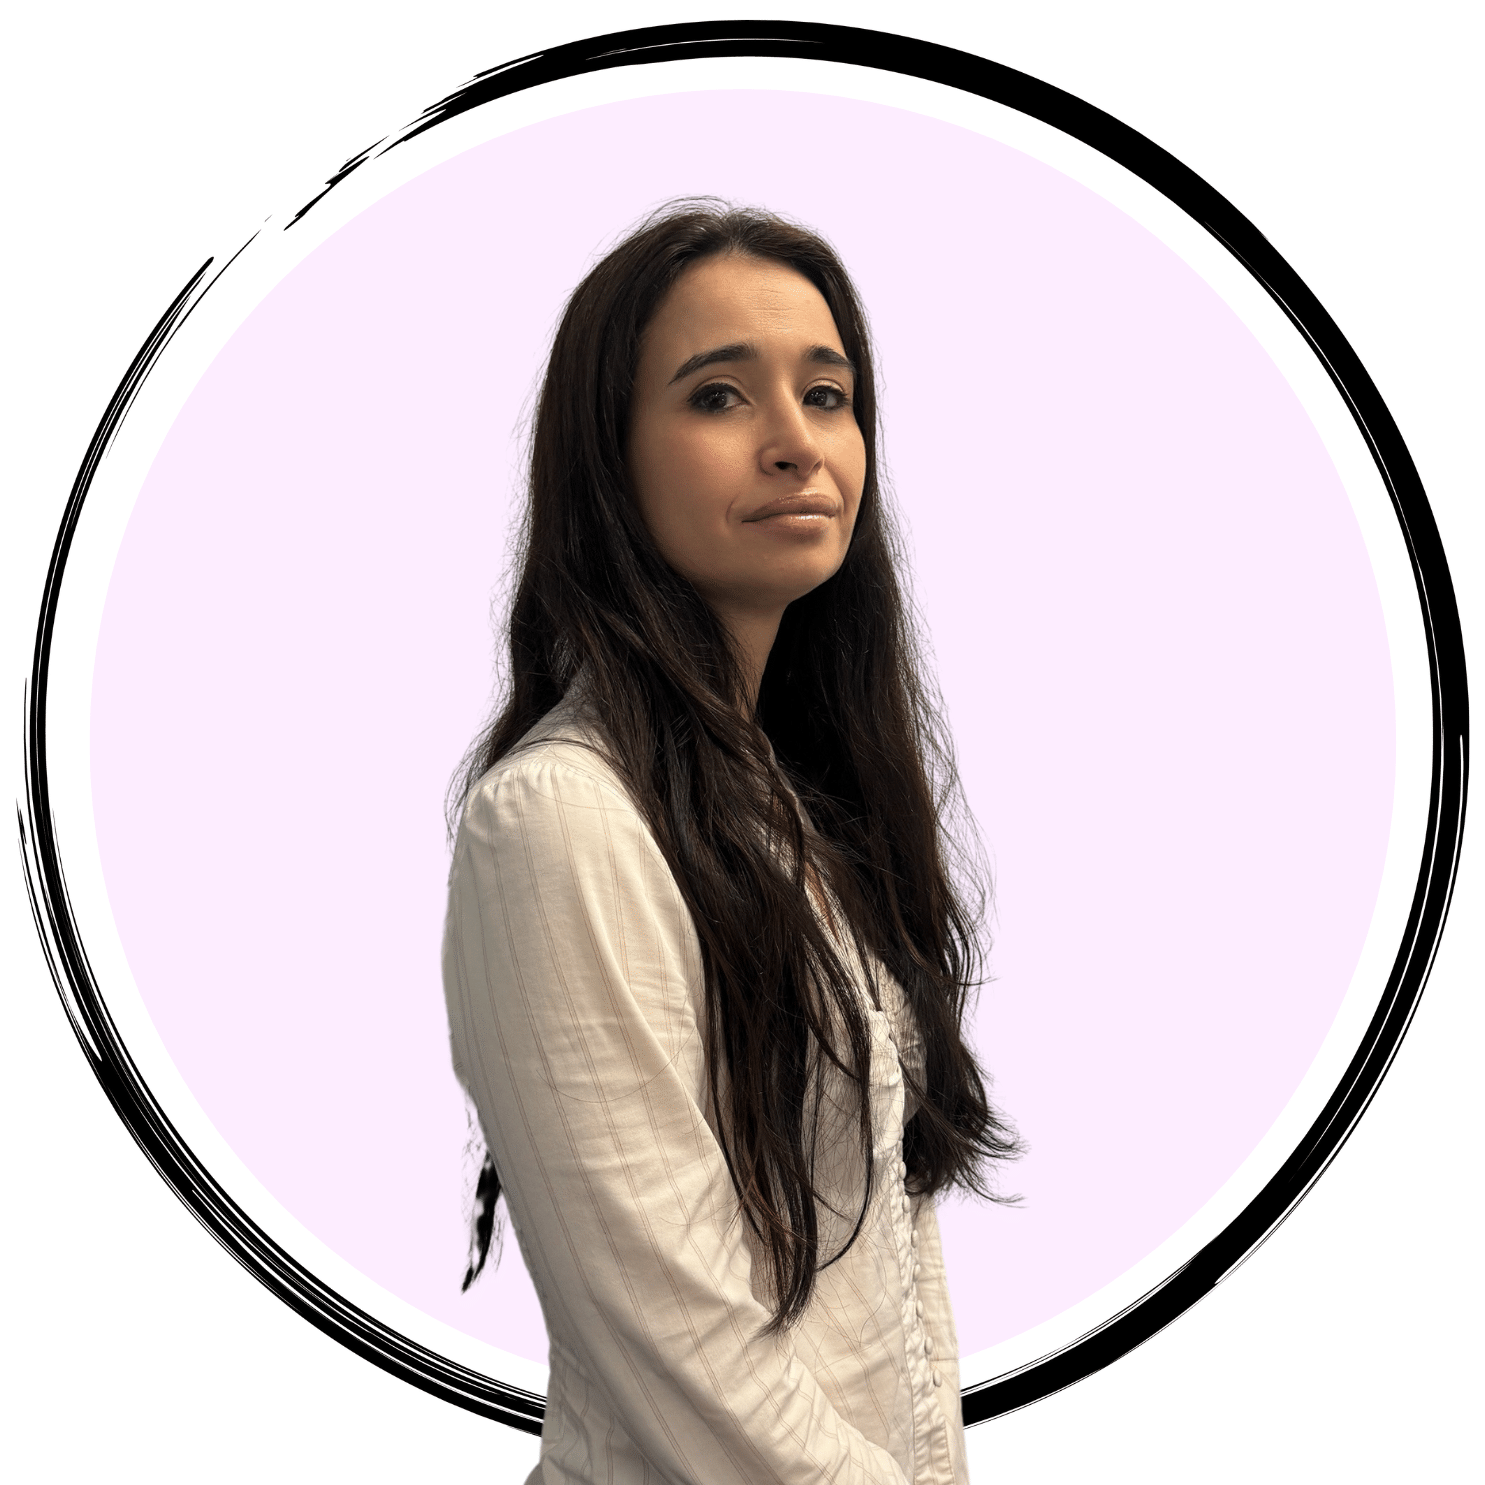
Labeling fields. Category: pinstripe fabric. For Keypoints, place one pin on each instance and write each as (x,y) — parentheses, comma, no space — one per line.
(573,979)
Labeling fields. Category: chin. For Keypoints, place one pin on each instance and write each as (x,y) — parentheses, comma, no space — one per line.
(808,581)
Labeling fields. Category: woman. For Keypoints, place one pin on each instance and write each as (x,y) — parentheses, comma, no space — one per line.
(705,965)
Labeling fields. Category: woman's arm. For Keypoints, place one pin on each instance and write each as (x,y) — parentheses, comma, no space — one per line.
(572,972)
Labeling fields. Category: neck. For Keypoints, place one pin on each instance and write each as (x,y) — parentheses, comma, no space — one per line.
(753,633)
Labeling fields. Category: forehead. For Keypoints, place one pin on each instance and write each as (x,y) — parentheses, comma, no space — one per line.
(732,297)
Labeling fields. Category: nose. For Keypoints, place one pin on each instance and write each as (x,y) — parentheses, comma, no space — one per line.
(790,445)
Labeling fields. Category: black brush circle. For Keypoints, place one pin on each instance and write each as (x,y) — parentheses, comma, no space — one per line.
(132,1099)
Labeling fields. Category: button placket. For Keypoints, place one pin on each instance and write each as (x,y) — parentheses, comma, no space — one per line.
(924,1374)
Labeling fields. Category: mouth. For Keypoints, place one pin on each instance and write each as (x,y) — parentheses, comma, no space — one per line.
(815,508)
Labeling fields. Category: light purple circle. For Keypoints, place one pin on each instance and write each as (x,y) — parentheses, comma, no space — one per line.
(1153,618)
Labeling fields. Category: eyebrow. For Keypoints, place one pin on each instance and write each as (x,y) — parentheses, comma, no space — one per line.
(745,350)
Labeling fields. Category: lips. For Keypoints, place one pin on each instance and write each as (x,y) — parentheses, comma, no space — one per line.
(795,505)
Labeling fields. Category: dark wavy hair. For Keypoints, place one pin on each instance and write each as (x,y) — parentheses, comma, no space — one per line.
(855,737)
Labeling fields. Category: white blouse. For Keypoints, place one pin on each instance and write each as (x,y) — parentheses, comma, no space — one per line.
(573,978)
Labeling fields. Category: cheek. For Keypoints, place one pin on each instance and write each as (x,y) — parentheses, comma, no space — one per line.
(685,484)
(706,465)
(698,473)
(851,476)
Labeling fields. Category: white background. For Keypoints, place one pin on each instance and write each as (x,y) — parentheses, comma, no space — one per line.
(144,137)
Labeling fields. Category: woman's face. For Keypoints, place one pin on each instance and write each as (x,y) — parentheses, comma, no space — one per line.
(744,453)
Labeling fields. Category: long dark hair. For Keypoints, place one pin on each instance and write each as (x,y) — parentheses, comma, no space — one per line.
(855,737)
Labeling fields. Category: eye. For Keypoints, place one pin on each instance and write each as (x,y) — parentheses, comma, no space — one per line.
(826,397)
(715,397)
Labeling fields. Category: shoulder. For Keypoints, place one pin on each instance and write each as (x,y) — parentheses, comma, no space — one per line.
(556,800)
(551,846)
(562,760)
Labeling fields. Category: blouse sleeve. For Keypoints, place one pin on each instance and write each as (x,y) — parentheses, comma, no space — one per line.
(572,973)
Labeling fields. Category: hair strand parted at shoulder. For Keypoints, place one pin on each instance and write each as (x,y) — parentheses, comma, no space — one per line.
(844,722)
